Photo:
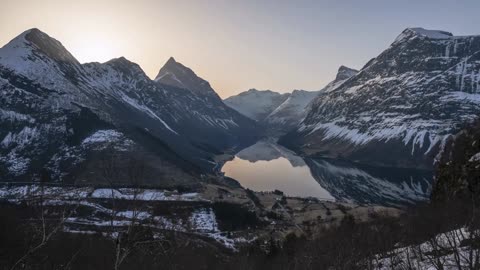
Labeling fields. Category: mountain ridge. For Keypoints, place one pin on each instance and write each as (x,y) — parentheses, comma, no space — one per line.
(51,106)
(281,112)
(401,107)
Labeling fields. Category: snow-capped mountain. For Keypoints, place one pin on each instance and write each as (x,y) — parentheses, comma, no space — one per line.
(57,114)
(288,114)
(175,74)
(343,74)
(256,104)
(402,105)
(213,121)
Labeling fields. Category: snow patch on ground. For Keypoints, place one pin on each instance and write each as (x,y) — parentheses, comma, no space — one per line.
(475,157)
(104,137)
(143,195)
(16,165)
(25,136)
(204,220)
(437,251)
(201,220)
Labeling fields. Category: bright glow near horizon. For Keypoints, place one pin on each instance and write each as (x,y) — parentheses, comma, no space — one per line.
(236,45)
(94,49)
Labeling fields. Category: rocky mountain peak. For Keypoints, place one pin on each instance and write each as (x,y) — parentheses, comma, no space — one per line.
(176,74)
(345,73)
(38,57)
(416,32)
(126,67)
(171,61)
(40,42)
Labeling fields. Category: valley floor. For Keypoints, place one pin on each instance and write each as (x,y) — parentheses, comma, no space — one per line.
(208,212)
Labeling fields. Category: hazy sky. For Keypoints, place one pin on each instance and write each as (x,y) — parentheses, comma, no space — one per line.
(236,44)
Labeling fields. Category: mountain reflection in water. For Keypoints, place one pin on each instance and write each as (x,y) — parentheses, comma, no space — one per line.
(266,166)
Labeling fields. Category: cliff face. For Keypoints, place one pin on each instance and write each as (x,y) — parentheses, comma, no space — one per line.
(402,106)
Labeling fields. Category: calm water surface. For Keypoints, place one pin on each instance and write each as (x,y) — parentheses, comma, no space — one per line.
(266,166)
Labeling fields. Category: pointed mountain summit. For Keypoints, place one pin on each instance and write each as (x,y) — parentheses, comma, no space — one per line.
(127,68)
(344,73)
(38,57)
(176,74)
(34,41)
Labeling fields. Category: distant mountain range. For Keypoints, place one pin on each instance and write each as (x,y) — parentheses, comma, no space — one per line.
(61,118)
(58,116)
(281,111)
(402,106)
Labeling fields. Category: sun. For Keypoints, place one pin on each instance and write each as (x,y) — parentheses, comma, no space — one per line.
(92,48)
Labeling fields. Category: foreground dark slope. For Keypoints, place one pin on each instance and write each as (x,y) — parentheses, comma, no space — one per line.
(401,107)
(57,115)
(458,172)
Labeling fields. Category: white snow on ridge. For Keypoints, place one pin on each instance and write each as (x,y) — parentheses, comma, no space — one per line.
(146,110)
(173,76)
(414,132)
(433,34)
(293,108)
(256,104)
(16,56)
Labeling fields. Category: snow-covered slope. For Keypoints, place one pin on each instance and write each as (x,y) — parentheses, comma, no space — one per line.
(400,108)
(256,104)
(175,74)
(343,74)
(50,105)
(294,109)
(200,110)
(288,114)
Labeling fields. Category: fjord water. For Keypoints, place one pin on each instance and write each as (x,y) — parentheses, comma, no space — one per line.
(266,166)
